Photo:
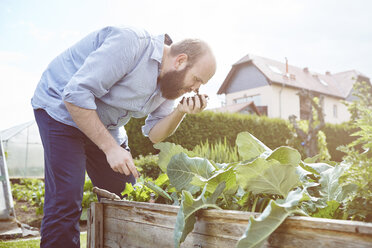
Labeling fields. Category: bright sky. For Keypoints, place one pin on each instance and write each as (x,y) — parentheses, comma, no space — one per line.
(334,35)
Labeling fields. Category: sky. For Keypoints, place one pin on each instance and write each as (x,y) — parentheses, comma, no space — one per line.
(323,35)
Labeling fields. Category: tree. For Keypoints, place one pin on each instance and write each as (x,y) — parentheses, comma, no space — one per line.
(315,124)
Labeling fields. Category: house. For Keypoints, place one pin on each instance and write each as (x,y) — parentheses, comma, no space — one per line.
(273,88)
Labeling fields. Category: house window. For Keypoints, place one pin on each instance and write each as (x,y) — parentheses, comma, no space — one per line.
(335,111)
(256,99)
(275,69)
(323,82)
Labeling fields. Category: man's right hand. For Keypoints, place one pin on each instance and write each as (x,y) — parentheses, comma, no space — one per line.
(121,161)
(89,123)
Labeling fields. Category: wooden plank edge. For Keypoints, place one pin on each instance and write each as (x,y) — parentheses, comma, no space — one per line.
(231,215)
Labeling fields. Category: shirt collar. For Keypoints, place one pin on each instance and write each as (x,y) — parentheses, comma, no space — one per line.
(157,54)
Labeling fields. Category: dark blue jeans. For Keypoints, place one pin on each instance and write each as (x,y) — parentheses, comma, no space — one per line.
(68,154)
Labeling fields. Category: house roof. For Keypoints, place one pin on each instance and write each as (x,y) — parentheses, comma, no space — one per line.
(235,108)
(337,85)
(10,132)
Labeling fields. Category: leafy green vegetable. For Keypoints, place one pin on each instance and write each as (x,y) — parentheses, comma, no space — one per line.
(276,183)
(183,170)
(158,190)
(186,215)
(227,176)
(330,186)
(249,147)
(260,228)
(267,176)
(286,156)
(167,151)
(316,168)
(329,211)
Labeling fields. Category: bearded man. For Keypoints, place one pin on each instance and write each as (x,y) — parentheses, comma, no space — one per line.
(85,97)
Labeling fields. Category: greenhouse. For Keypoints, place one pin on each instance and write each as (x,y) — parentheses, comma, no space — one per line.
(23,151)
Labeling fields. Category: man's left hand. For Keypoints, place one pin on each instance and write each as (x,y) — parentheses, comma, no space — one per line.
(193,105)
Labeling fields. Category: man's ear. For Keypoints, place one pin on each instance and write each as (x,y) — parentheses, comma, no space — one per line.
(181,61)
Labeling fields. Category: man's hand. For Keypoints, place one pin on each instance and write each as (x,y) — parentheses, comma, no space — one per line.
(169,124)
(193,105)
(121,161)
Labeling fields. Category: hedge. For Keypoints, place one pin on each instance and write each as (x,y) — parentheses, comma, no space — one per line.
(273,132)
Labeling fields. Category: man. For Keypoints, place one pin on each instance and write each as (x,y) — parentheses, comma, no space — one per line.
(88,93)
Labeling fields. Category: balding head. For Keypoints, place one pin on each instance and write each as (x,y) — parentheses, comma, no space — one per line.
(193,48)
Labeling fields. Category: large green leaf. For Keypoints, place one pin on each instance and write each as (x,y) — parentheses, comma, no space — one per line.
(183,170)
(330,186)
(167,151)
(228,176)
(158,190)
(260,228)
(286,156)
(316,168)
(249,147)
(189,206)
(267,176)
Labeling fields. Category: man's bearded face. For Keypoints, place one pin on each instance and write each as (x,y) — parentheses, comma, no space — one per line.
(172,84)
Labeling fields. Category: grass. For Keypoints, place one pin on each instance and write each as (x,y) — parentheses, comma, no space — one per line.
(35,243)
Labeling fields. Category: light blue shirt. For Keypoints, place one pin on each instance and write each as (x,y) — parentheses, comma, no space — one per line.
(114,71)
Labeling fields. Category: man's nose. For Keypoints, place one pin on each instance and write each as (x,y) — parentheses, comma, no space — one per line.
(195,88)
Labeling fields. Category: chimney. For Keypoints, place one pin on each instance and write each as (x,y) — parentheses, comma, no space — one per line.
(306,69)
(286,65)
(328,73)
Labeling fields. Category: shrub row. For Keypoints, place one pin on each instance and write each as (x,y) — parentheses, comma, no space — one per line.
(273,132)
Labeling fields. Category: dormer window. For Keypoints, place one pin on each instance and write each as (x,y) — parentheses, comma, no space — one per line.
(275,69)
(323,82)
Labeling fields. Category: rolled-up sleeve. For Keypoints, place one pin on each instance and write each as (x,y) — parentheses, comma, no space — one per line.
(162,111)
(102,68)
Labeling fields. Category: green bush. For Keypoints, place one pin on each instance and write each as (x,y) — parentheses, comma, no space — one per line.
(148,165)
(338,135)
(359,154)
(273,132)
(212,127)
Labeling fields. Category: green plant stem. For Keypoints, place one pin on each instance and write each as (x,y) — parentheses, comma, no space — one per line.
(227,203)
(254,204)
(264,204)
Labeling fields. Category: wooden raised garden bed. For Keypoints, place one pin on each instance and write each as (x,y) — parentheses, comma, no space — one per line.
(136,224)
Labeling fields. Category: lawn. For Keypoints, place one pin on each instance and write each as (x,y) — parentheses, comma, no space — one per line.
(35,243)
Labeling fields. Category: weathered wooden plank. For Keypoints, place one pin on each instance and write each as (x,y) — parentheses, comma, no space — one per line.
(134,234)
(311,237)
(95,226)
(89,224)
(133,224)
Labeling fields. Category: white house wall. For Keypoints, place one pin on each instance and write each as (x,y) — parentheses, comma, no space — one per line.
(285,102)
(265,92)
(343,114)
